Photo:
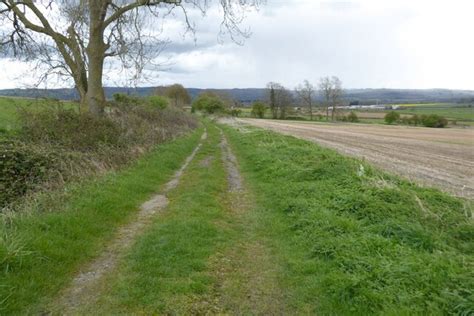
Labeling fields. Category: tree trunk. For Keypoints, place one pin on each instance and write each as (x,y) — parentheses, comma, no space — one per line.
(95,94)
(96,53)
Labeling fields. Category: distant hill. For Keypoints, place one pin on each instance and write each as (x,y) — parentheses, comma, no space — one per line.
(247,95)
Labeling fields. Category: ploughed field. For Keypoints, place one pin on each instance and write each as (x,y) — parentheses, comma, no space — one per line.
(437,157)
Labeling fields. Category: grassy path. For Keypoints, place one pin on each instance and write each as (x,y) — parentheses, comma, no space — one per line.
(203,254)
(85,285)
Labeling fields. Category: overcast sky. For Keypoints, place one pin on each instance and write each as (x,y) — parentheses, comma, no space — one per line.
(366,43)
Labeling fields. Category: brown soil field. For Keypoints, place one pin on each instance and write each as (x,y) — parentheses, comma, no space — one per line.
(443,158)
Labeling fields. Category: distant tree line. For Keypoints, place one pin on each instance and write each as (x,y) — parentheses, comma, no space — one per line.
(281,101)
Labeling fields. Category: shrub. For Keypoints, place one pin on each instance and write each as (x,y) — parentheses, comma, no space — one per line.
(434,120)
(414,120)
(124,99)
(352,117)
(209,103)
(235,112)
(157,101)
(392,117)
(405,120)
(21,168)
(258,109)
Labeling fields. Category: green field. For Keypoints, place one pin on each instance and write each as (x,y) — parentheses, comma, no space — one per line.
(9,108)
(452,113)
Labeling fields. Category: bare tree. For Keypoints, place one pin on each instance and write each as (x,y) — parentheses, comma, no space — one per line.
(331,91)
(306,93)
(325,88)
(74,38)
(336,95)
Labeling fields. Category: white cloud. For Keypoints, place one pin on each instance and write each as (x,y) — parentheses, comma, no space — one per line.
(367,43)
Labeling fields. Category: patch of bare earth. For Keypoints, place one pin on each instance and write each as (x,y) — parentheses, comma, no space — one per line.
(247,275)
(84,288)
(443,158)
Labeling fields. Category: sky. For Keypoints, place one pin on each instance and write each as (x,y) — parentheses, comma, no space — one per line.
(413,44)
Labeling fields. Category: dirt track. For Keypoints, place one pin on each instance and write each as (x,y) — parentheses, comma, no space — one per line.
(437,157)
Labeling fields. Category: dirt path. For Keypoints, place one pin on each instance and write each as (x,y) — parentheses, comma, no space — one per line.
(85,285)
(247,273)
(437,157)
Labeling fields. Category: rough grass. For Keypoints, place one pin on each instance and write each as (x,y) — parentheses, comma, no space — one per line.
(167,268)
(354,239)
(40,251)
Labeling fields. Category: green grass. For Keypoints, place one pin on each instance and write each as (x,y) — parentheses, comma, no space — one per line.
(357,244)
(41,251)
(167,269)
(9,110)
(341,239)
(452,113)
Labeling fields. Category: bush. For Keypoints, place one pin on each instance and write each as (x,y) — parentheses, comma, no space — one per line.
(124,99)
(352,117)
(235,112)
(434,120)
(209,103)
(258,109)
(21,168)
(157,101)
(392,117)
(414,120)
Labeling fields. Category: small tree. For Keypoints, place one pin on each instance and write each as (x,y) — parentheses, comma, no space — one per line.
(178,95)
(279,99)
(272,88)
(209,103)
(392,117)
(331,91)
(258,109)
(306,94)
(325,88)
(352,117)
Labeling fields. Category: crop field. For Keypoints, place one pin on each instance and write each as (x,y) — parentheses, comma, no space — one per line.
(438,157)
(456,114)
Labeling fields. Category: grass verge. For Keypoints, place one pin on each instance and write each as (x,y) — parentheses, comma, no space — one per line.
(41,251)
(356,240)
